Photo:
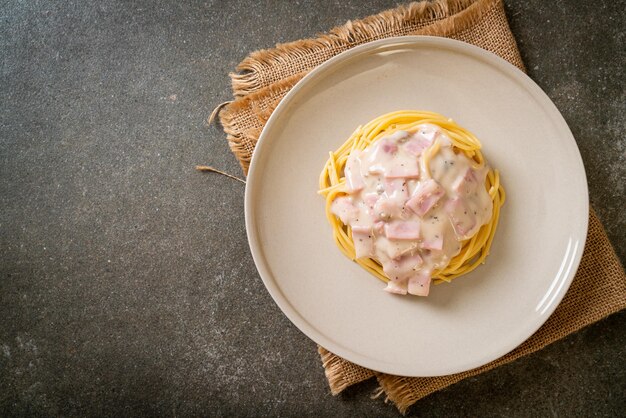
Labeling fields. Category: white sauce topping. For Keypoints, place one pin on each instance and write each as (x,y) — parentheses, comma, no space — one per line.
(408,215)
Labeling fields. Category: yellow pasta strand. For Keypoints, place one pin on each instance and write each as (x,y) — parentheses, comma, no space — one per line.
(332,184)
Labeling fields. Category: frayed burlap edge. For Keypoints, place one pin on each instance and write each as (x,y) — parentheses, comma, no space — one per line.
(229,118)
(303,55)
(335,370)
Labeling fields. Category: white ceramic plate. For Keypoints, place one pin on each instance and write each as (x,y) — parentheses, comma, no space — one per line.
(478,317)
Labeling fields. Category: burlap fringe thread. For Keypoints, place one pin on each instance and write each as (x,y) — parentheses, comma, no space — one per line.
(210,169)
(334,367)
(241,142)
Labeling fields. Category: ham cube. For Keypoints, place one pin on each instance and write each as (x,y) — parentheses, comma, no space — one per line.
(425,197)
(370,200)
(352,171)
(363,241)
(416,145)
(396,288)
(466,184)
(344,209)
(384,158)
(402,268)
(408,169)
(388,146)
(419,284)
(379,156)
(403,230)
(462,218)
(421,139)
(385,208)
(362,229)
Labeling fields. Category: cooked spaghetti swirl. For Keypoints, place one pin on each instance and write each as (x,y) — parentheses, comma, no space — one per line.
(332,184)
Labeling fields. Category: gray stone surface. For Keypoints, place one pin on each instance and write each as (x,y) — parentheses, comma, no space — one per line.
(126,284)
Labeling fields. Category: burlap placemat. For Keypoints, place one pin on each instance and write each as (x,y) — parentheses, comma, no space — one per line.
(264,77)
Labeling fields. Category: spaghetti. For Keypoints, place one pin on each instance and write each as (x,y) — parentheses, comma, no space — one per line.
(333,185)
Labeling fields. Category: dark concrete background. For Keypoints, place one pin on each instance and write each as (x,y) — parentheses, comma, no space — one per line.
(126,284)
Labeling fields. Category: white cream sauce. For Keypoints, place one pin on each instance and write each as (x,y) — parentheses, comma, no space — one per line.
(409,216)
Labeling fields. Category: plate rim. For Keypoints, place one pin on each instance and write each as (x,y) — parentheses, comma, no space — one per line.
(255,246)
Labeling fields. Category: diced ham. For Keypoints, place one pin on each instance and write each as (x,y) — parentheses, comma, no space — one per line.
(421,140)
(462,218)
(380,155)
(385,209)
(363,242)
(433,244)
(396,288)
(404,267)
(384,158)
(344,209)
(352,171)
(388,146)
(402,230)
(416,145)
(419,284)
(409,170)
(370,200)
(425,197)
(466,184)
(362,229)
